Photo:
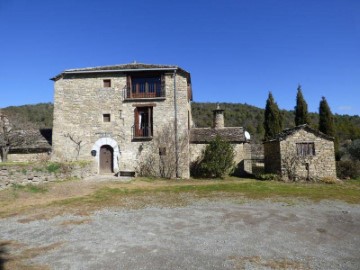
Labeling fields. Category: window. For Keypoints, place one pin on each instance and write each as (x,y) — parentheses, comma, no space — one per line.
(106,117)
(107,83)
(143,126)
(144,86)
(305,149)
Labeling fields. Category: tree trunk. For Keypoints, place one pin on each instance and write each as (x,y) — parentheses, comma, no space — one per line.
(4,153)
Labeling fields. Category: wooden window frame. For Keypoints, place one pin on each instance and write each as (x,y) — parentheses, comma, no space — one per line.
(305,149)
(107,83)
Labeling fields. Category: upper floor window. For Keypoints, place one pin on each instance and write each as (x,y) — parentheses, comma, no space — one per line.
(305,149)
(145,86)
(107,83)
(143,124)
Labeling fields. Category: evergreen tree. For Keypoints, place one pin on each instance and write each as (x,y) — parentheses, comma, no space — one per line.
(301,110)
(326,119)
(273,118)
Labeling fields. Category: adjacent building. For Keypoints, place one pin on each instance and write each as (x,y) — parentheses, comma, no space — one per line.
(300,153)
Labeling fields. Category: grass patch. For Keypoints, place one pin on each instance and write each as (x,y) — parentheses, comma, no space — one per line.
(81,197)
(29,188)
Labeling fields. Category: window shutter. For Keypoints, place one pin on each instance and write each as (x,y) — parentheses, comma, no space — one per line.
(136,122)
(128,86)
(162,91)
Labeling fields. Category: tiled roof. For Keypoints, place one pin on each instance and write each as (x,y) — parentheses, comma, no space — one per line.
(126,67)
(289,131)
(205,135)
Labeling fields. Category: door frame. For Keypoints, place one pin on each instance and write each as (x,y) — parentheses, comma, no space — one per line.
(116,152)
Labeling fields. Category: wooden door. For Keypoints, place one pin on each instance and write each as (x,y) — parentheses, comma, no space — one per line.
(106,159)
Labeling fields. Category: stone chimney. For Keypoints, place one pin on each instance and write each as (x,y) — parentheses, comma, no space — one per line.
(218,121)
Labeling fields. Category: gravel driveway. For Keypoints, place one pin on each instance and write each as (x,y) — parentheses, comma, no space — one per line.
(203,235)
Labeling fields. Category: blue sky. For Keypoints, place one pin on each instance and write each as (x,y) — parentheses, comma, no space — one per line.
(236,51)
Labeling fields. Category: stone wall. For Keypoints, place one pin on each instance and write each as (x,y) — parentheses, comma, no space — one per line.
(80,102)
(322,164)
(36,173)
(272,157)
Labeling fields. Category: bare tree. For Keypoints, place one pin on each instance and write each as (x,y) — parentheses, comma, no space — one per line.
(77,141)
(292,163)
(14,133)
(161,158)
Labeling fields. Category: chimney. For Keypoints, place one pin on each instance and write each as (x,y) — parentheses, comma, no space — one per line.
(218,117)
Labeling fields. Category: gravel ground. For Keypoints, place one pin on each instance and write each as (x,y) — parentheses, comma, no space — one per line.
(203,235)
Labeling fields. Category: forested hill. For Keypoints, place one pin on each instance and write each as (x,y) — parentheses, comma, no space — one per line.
(250,117)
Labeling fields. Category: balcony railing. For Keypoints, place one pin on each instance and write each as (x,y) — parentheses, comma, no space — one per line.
(142,132)
(130,93)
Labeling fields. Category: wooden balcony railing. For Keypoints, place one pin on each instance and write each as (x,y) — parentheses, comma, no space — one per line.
(142,132)
(129,93)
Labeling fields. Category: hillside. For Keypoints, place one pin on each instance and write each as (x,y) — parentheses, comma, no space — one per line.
(250,117)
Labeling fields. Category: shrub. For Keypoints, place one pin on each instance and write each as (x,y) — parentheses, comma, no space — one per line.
(329,180)
(267,177)
(217,160)
(348,169)
(53,167)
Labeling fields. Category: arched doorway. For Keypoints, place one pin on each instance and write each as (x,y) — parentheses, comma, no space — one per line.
(106,159)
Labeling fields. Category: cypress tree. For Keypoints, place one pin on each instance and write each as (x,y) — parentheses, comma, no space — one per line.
(301,109)
(273,118)
(326,119)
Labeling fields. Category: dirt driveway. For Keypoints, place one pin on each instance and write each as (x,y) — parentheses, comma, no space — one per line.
(226,234)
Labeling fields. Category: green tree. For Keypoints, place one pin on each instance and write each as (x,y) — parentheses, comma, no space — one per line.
(301,109)
(326,119)
(272,119)
(217,160)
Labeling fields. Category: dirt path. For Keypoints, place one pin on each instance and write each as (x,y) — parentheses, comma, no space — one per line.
(226,234)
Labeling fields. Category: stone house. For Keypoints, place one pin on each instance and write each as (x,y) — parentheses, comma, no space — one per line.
(237,136)
(300,153)
(120,117)
(112,115)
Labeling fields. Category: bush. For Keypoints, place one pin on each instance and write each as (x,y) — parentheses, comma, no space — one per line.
(217,160)
(267,177)
(348,169)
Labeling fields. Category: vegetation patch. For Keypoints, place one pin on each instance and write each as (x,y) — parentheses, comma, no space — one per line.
(82,197)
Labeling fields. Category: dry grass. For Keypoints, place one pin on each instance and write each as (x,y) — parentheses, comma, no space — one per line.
(257,262)
(14,255)
(83,197)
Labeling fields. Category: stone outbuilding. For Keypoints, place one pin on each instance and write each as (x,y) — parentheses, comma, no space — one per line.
(237,136)
(300,153)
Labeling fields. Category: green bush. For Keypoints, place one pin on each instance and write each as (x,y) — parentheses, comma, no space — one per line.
(217,160)
(348,169)
(53,167)
(267,177)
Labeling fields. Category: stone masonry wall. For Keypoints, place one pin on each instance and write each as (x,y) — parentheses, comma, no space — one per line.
(35,173)
(80,102)
(272,157)
(322,164)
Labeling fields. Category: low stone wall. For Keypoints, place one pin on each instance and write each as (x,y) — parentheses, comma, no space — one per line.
(35,173)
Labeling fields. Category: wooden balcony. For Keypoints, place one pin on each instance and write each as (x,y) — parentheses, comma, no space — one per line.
(144,132)
(130,93)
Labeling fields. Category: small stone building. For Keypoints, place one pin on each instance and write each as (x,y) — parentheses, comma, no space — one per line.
(237,136)
(300,153)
